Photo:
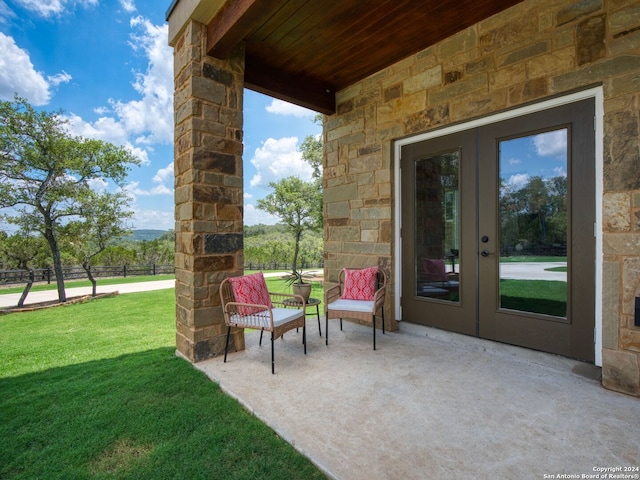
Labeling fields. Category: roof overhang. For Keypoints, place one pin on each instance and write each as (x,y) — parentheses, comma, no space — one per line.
(304,51)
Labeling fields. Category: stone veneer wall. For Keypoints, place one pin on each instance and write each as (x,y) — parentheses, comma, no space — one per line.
(208,190)
(534,50)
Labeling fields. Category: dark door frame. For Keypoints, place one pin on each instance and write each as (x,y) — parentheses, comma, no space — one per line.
(595,93)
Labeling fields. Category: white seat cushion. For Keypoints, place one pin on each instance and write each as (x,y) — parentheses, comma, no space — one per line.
(364,306)
(261,320)
(284,315)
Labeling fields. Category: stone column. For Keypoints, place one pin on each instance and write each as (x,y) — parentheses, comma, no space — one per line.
(208,190)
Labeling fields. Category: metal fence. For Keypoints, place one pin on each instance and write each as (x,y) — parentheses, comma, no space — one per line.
(9,277)
(285,267)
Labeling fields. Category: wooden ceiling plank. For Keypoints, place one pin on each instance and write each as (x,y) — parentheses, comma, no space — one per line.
(306,92)
(236,20)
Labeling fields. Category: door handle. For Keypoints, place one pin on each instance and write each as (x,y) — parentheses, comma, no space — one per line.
(485,253)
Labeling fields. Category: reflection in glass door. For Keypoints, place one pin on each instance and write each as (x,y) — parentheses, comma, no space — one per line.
(533,223)
(437,226)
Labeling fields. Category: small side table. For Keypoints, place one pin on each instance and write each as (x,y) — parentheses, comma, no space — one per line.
(312,302)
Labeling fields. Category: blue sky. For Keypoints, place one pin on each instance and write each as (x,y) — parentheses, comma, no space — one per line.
(107,65)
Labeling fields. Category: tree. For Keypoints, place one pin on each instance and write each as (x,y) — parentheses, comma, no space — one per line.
(311,149)
(45,172)
(102,219)
(295,202)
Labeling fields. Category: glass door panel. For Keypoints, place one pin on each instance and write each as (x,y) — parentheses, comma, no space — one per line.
(533,223)
(437,226)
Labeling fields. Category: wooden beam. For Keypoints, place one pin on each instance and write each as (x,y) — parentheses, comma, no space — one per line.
(291,87)
(233,22)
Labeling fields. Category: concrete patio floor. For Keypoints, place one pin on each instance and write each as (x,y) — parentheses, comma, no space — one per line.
(429,404)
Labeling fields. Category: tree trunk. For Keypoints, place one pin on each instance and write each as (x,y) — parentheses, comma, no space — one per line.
(87,268)
(57,262)
(296,249)
(27,288)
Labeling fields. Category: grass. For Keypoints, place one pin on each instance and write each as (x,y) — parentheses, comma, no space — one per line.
(95,391)
(41,287)
(536,296)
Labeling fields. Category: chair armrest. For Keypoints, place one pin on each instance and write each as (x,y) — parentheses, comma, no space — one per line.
(332,294)
(378,298)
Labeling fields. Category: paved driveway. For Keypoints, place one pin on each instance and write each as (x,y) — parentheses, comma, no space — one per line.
(11,299)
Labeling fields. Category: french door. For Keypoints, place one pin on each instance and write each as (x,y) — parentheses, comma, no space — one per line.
(498,231)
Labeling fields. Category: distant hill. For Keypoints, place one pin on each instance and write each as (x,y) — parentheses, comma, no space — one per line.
(148,235)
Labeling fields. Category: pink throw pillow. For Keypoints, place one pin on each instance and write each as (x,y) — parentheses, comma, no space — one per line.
(250,289)
(359,284)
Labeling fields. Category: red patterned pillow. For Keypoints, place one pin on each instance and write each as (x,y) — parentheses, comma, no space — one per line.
(359,284)
(250,289)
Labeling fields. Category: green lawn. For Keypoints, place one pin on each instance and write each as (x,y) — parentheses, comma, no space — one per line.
(95,391)
(537,296)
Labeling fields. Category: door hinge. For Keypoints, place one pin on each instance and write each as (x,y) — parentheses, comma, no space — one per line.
(595,229)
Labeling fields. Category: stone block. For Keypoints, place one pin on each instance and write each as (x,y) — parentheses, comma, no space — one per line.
(554,62)
(424,80)
(610,305)
(208,90)
(630,339)
(616,212)
(223,243)
(621,151)
(465,40)
(590,40)
(462,87)
(621,243)
(427,119)
(341,193)
(369,236)
(624,21)
(213,263)
(515,32)
(630,284)
(595,72)
(621,371)
(577,10)
(523,54)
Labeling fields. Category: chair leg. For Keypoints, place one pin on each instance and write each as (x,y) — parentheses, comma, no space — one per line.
(340,324)
(261,332)
(326,328)
(226,345)
(383,320)
(273,358)
(304,337)
(374,332)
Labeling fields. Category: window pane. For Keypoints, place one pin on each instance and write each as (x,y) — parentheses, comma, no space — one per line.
(533,223)
(437,232)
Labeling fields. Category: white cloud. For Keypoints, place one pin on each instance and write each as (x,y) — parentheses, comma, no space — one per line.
(164,174)
(162,177)
(153,219)
(128,6)
(279,107)
(50,8)
(253,216)
(5,12)
(277,159)
(560,172)
(519,180)
(58,78)
(551,144)
(99,185)
(150,119)
(19,76)
(515,161)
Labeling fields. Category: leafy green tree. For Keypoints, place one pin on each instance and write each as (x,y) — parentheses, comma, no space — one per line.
(22,250)
(295,202)
(312,150)
(102,218)
(45,172)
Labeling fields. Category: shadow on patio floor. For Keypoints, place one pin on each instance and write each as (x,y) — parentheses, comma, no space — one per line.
(430,404)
